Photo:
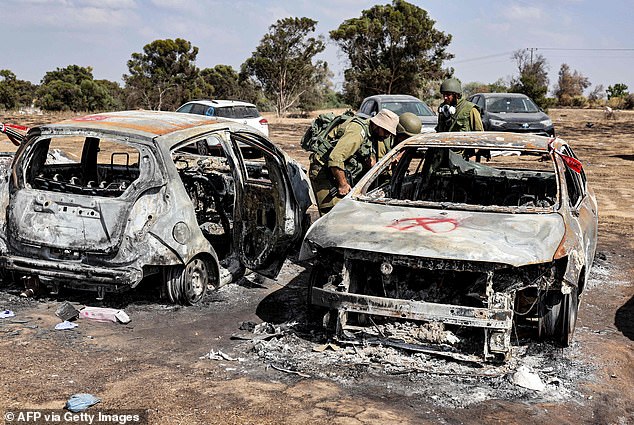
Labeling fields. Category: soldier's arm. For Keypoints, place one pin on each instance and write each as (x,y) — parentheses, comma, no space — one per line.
(343,186)
(345,148)
(475,120)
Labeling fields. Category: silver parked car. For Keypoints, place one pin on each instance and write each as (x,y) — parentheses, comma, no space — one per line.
(185,200)
(490,231)
(399,104)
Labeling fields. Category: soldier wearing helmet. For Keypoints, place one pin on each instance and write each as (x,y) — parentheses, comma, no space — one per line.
(408,125)
(456,113)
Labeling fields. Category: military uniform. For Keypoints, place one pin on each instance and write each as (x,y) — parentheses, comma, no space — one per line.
(352,153)
(466,118)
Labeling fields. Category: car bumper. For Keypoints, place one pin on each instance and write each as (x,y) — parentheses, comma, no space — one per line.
(487,318)
(86,275)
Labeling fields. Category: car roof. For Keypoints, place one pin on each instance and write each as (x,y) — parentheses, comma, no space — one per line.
(393,97)
(485,139)
(140,123)
(219,103)
(499,94)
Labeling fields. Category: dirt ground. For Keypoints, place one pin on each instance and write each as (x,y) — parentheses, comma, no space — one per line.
(246,355)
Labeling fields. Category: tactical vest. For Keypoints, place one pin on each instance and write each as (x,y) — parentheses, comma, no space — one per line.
(459,121)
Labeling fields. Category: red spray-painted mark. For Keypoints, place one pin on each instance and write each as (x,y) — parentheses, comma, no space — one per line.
(434,225)
(91,118)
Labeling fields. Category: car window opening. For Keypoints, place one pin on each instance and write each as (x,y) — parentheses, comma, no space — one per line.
(438,175)
(78,165)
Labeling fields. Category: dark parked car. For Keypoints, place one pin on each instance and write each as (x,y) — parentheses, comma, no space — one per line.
(400,103)
(512,112)
(185,200)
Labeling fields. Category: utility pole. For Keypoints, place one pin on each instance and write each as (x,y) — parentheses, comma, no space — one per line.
(531,49)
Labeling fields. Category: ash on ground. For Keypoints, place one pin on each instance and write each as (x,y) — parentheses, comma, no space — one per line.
(298,349)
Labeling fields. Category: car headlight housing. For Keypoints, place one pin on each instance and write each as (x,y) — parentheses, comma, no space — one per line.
(546,123)
(497,123)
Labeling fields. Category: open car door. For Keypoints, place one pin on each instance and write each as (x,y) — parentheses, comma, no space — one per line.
(267,216)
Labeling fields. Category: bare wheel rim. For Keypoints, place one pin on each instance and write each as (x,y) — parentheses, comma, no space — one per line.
(195,278)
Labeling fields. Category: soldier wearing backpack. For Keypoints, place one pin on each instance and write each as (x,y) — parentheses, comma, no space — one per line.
(343,150)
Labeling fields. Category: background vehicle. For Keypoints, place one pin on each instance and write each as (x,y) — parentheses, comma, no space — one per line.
(514,112)
(186,200)
(233,110)
(399,103)
(430,236)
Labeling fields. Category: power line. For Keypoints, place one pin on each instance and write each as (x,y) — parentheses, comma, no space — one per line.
(533,49)
(586,49)
(481,58)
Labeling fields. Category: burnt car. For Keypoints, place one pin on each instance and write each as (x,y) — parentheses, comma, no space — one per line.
(185,201)
(473,231)
(513,112)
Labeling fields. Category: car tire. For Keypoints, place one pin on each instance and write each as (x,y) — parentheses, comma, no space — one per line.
(187,285)
(318,314)
(558,316)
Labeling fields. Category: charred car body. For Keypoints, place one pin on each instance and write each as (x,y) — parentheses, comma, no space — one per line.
(187,200)
(437,234)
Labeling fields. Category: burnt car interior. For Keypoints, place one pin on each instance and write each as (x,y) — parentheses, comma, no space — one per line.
(106,168)
(209,181)
(447,176)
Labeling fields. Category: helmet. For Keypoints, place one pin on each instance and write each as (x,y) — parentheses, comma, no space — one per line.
(451,85)
(409,124)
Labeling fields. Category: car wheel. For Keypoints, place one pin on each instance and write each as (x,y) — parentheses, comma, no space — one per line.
(558,316)
(187,285)
(318,314)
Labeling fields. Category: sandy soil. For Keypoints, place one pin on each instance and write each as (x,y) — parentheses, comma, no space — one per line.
(182,366)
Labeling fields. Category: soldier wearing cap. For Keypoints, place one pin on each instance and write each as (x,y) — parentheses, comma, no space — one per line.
(456,113)
(408,125)
(352,156)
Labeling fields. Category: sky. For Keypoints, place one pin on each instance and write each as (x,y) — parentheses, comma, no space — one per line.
(595,38)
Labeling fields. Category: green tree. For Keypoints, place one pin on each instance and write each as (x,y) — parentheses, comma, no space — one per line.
(391,49)
(570,86)
(617,90)
(533,76)
(283,62)
(223,82)
(315,97)
(15,93)
(164,76)
(116,92)
(74,88)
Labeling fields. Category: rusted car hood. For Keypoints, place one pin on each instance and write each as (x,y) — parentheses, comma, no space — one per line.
(514,239)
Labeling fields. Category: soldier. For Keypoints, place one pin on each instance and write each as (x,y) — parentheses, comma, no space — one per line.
(408,125)
(455,113)
(352,156)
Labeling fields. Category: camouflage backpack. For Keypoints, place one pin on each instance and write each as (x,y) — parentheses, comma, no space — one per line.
(325,131)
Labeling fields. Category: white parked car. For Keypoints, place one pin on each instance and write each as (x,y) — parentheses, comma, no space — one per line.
(233,110)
